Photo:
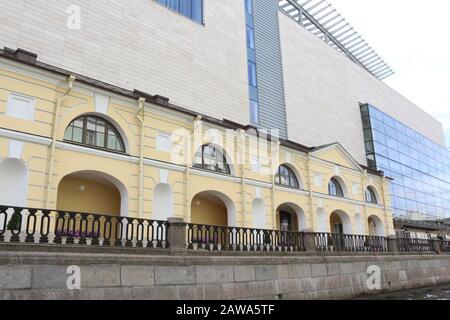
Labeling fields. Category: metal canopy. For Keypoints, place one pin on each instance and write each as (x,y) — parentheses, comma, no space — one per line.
(322,20)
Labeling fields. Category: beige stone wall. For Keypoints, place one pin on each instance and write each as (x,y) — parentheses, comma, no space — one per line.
(324,88)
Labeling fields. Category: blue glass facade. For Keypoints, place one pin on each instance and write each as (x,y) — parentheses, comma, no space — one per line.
(192,9)
(420,168)
(251,60)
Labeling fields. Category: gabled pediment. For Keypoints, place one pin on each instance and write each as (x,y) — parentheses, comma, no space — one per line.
(337,154)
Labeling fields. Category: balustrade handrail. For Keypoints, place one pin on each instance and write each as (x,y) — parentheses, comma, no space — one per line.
(415,245)
(48,226)
(326,241)
(230,238)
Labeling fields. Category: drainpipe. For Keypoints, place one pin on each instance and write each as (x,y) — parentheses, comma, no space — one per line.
(310,193)
(140,116)
(366,218)
(71,79)
(272,177)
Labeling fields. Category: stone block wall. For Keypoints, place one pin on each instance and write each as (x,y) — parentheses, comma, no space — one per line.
(122,276)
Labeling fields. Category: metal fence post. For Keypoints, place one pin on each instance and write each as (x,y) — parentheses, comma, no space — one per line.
(309,238)
(393,245)
(436,245)
(177,235)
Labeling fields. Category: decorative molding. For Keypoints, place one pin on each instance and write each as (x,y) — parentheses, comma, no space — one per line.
(37,74)
(164,165)
(318,180)
(25,137)
(289,157)
(355,188)
(342,151)
(256,183)
(101,103)
(15,149)
(164,142)
(208,174)
(320,203)
(13,111)
(357,202)
(257,192)
(163,176)
(120,157)
(290,190)
(337,170)
(95,152)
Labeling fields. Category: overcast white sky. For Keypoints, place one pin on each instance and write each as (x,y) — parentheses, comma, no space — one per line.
(413,37)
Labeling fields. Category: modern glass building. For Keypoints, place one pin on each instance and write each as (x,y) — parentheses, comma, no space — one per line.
(420,168)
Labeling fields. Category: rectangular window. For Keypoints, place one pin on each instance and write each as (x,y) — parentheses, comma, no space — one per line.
(252,74)
(164,142)
(21,107)
(193,9)
(250,38)
(249,6)
(254,111)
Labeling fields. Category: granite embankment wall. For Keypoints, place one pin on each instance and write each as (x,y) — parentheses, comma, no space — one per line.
(41,273)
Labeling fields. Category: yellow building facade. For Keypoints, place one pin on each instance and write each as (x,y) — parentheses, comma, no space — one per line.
(147,166)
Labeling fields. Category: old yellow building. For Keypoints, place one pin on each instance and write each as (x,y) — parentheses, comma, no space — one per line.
(71,143)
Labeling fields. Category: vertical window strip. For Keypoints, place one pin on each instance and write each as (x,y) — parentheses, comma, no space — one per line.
(252,74)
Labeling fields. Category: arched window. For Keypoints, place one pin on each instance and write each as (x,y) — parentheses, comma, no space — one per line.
(286,177)
(210,158)
(335,188)
(96,132)
(371,196)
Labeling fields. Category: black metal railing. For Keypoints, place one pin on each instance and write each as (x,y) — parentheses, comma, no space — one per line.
(332,242)
(29,225)
(221,238)
(415,245)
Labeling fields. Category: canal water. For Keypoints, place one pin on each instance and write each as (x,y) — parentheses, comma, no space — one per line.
(433,293)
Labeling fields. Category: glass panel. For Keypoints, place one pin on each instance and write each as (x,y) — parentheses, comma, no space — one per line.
(173,4)
(120,147)
(112,141)
(198,159)
(68,133)
(100,140)
(79,123)
(254,111)
(197,10)
(186,8)
(90,137)
(100,126)
(250,38)
(77,135)
(366,123)
(252,74)
(332,189)
(249,6)
(91,123)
